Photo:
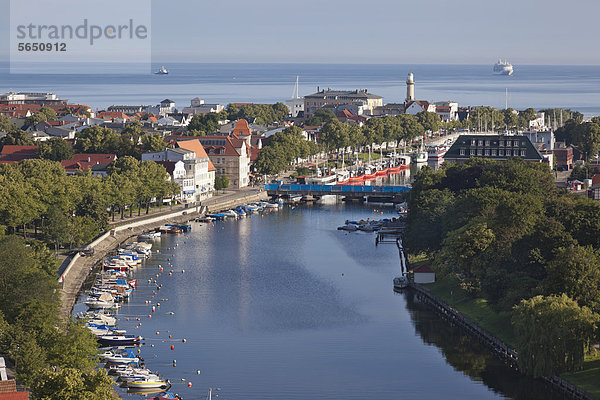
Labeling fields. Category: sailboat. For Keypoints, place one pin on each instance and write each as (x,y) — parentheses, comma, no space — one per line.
(420,156)
(162,71)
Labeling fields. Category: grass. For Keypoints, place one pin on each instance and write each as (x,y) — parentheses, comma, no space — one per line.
(499,325)
(587,379)
(476,309)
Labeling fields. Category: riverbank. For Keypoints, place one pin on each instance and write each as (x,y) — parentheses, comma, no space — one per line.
(78,269)
(578,385)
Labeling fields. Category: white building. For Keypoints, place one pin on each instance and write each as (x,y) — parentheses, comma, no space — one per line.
(447,110)
(197,106)
(416,106)
(189,167)
(423,274)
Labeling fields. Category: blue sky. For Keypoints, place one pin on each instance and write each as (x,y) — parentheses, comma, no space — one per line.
(377,31)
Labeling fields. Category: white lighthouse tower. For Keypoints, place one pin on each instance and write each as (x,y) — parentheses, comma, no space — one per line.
(410,87)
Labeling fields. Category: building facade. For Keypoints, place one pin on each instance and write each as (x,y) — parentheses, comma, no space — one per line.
(495,147)
(364,101)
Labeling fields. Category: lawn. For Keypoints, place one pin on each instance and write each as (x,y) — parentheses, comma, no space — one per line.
(587,379)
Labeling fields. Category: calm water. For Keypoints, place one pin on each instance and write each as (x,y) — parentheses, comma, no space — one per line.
(575,87)
(284,306)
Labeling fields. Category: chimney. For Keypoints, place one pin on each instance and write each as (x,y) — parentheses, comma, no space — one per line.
(89,159)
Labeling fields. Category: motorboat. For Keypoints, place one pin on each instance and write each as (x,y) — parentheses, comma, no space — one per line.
(400,282)
(119,340)
(146,383)
(165,396)
(120,358)
(149,236)
(231,214)
(162,71)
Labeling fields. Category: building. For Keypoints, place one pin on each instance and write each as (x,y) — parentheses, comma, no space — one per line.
(410,88)
(423,274)
(363,101)
(96,163)
(447,110)
(416,106)
(391,109)
(127,109)
(13,153)
(563,156)
(197,106)
(231,156)
(189,167)
(31,98)
(495,147)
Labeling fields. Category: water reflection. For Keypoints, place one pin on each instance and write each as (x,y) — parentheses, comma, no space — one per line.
(472,358)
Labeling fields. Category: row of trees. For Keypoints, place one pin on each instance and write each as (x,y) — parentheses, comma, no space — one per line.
(206,124)
(132,141)
(55,360)
(38,195)
(508,235)
(583,135)
(283,149)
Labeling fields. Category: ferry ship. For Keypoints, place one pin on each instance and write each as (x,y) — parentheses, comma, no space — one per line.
(503,67)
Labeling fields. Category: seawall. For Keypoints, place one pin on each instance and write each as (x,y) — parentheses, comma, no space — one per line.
(78,269)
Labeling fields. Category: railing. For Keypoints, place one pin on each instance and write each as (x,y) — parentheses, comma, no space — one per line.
(336,188)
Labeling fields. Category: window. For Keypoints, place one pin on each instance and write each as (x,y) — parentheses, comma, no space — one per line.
(487,152)
(502,143)
(473,142)
(472,152)
(523,152)
(480,143)
(494,153)
(487,142)
(501,153)
(479,152)
(507,152)
(462,152)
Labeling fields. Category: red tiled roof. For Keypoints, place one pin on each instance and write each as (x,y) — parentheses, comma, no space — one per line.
(83,161)
(195,146)
(112,115)
(241,128)
(424,268)
(13,153)
(14,396)
(596,179)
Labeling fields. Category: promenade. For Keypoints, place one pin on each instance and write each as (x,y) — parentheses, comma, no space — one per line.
(74,272)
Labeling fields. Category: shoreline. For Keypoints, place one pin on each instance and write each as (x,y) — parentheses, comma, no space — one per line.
(79,268)
(500,349)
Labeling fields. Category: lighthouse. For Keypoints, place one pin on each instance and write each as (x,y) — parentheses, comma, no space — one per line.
(410,87)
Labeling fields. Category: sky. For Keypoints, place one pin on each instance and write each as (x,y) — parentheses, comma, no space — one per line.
(367,32)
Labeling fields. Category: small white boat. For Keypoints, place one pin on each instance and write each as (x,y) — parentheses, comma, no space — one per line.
(162,71)
(400,282)
(149,236)
(146,383)
(231,214)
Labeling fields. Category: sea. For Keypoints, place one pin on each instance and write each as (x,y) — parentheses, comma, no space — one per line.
(537,86)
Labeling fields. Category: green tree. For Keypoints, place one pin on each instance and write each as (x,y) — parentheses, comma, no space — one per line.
(55,149)
(553,334)
(153,142)
(429,120)
(320,116)
(17,137)
(73,384)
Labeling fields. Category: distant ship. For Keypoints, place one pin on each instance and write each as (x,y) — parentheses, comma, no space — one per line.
(162,71)
(503,67)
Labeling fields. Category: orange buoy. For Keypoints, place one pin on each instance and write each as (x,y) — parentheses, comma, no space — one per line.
(149,316)
(172,347)
(189,384)
(170,336)
(157,332)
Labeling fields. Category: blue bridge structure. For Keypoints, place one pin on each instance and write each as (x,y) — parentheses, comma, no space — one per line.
(387,194)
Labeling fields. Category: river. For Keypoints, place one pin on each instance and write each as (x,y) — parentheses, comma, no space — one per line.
(285,306)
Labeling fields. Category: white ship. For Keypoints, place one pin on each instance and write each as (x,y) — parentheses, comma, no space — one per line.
(162,71)
(503,67)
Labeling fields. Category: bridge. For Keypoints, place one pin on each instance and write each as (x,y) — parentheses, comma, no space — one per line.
(391,194)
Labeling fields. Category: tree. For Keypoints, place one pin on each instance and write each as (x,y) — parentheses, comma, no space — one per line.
(206,123)
(44,114)
(320,116)
(553,334)
(221,182)
(55,149)
(73,384)
(153,142)
(429,120)
(17,137)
